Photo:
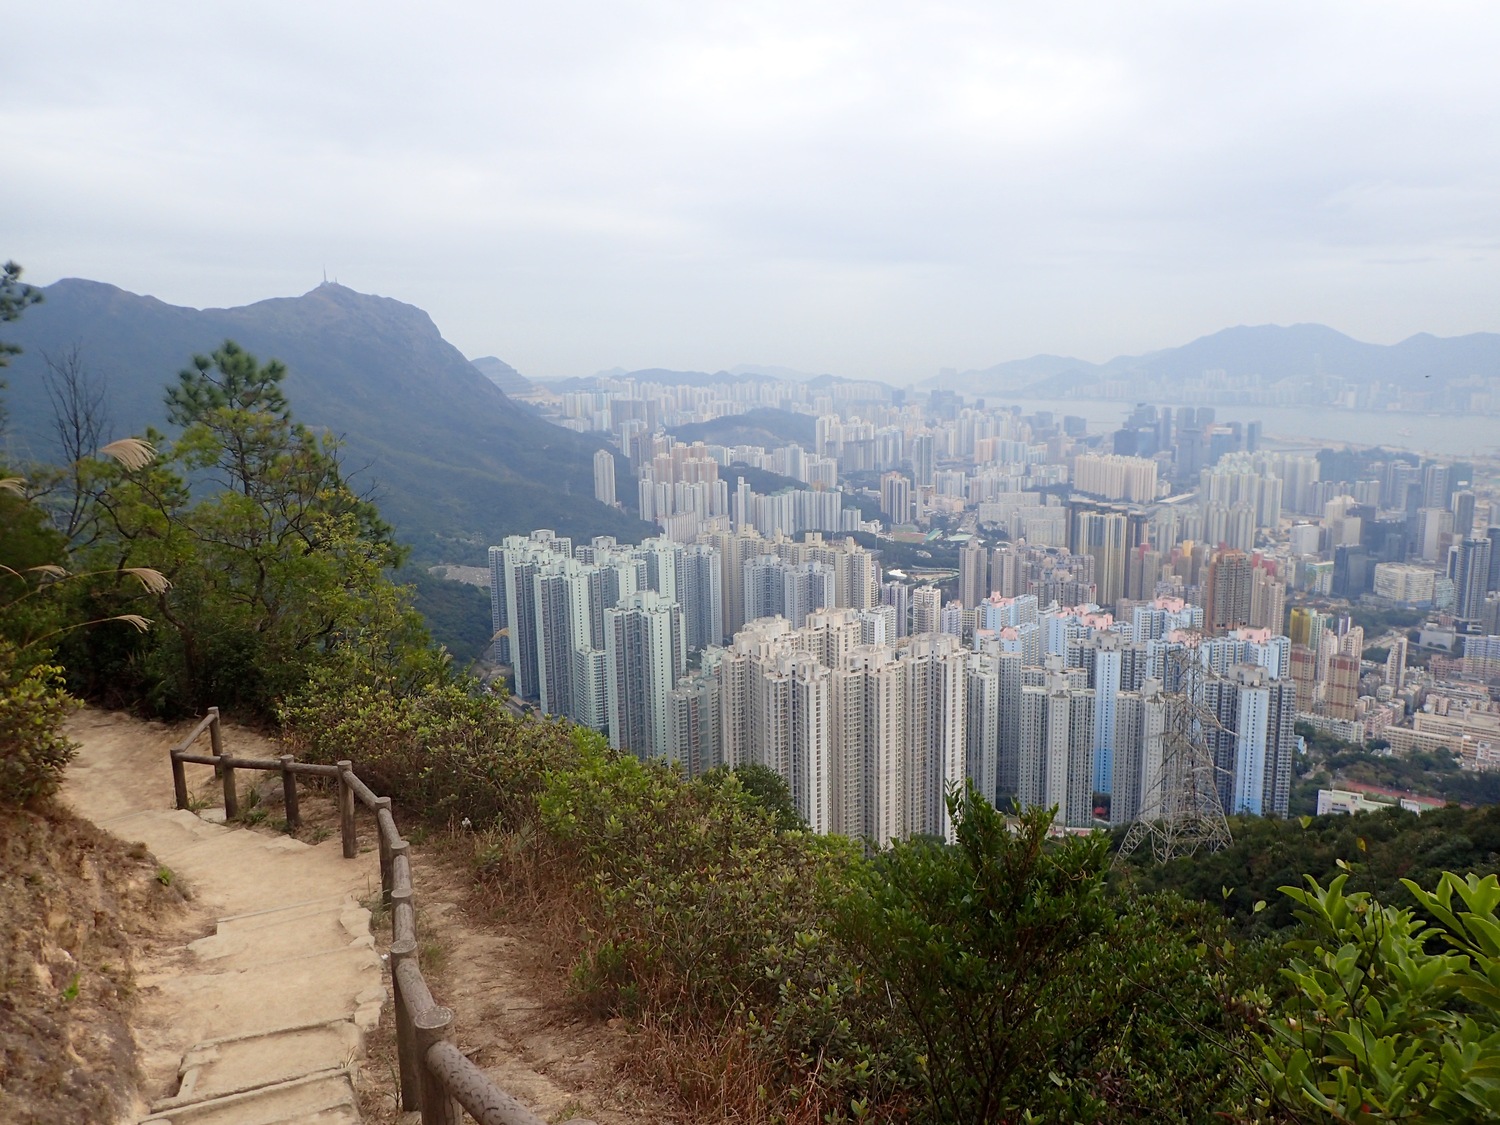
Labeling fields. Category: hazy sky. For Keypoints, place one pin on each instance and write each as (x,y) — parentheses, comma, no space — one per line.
(865,188)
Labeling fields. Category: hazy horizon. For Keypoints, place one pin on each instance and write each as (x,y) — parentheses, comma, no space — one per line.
(858,189)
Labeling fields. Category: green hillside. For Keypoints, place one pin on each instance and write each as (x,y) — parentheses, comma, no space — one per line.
(764,426)
(454,462)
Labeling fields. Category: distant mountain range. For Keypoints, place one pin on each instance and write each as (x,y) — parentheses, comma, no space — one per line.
(455,463)
(1272,352)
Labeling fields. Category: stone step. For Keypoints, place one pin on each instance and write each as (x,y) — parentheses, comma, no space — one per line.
(162,830)
(273,996)
(277,935)
(318,1099)
(216,861)
(242,1063)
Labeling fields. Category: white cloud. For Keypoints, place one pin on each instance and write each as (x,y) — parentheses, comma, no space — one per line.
(869,188)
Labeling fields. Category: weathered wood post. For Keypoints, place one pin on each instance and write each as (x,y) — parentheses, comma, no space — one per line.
(384,821)
(346,809)
(434,1026)
(289,794)
(231,793)
(179,781)
(400,890)
(402,950)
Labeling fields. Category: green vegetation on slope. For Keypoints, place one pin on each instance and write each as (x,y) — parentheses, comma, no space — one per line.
(1381,848)
(800,979)
(453,462)
(765,426)
(457,614)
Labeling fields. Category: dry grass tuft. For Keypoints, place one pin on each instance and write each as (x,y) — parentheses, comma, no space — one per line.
(133,453)
(154,581)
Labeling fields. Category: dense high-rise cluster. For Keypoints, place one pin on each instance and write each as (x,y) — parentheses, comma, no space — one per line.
(1031,639)
(874,704)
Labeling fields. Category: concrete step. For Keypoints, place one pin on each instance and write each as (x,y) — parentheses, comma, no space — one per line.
(318,1099)
(215,863)
(232,1066)
(279,934)
(162,830)
(272,996)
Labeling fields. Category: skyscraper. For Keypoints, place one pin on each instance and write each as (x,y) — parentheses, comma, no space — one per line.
(973,574)
(806,586)
(922,460)
(897,595)
(700,593)
(895,498)
(1463,513)
(563,594)
(515,568)
(604,477)
(1469,568)
(643,651)
(926,609)
(936,726)
(764,589)
(1055,751)
(1230,577)
(695,744)
(1102,536)
(1254,740)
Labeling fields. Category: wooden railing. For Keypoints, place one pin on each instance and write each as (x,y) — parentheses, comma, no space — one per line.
(436,1077)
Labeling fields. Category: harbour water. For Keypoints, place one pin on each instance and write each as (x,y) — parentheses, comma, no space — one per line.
(1448,435)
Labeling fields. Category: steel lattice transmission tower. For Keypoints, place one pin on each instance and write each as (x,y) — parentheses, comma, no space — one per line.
(1182,812)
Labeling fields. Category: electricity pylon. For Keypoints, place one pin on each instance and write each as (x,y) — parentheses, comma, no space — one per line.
(1182,812)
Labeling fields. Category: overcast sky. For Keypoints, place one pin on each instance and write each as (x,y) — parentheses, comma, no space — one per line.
(864,188)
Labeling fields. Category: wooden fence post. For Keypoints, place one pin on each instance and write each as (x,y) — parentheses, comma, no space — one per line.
(406,1043)
(383,804)
(433,1026)
(346,810)
(289,794)
(231,793)
(179,781)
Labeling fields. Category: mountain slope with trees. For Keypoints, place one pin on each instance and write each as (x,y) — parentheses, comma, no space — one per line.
(454,462)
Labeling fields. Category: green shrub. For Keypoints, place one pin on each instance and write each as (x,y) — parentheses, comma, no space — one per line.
(33,750)
(701,910)
(442,751)
(1393,1018)
(1029,989)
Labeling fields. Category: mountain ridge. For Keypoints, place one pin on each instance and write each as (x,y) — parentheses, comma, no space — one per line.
(1303,350)
(456,463)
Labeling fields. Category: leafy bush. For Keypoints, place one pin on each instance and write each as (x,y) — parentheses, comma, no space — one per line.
(33,750)
(1384,1024)
(1029,989)
(444,752)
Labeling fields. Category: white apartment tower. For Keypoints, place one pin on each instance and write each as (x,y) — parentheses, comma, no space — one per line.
(1055,759)
(604,477)
(701,595)
(643,648)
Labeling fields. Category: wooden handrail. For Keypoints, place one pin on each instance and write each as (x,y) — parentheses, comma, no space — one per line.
(471,1087)
(436,1078)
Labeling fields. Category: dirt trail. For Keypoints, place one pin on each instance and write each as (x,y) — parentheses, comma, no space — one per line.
(507,989)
